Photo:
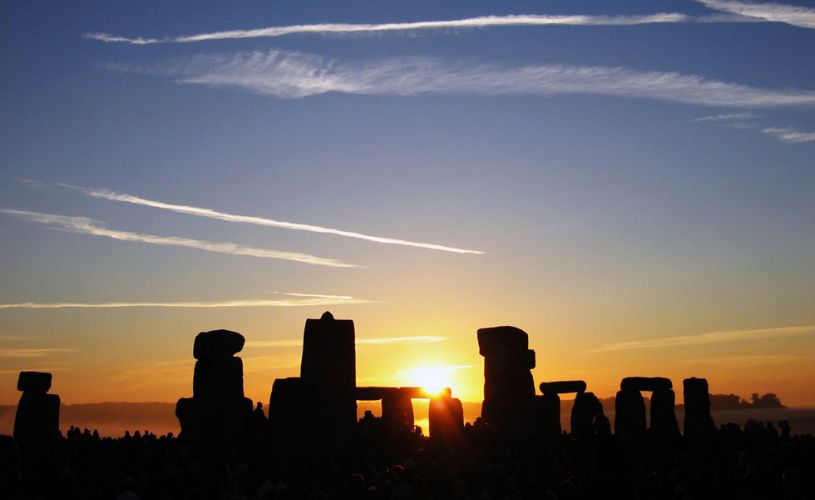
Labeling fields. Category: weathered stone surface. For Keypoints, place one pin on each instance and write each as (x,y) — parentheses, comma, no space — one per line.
(547,414)
(328,373)
(446,420)
(663,416)
(36,423)
(219,378)
(563,387)
(397,412)
(34,382)
(217,343)
(586,407)
(502,339)
(645,384)
(698,422)
(629,409)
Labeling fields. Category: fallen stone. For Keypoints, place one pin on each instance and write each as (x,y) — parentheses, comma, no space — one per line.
(563,387)
(645,384)
(34,382)
(217,343)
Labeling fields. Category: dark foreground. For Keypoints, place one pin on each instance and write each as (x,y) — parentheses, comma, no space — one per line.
(757,461)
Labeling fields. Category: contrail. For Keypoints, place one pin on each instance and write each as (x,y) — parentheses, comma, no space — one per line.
(453,24)
(185,305)
(794,15)
(259,221)
(84,225)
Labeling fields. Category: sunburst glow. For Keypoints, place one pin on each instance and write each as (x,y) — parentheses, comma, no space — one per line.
(432,378)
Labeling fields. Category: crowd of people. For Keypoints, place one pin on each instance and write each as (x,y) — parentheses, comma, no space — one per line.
(759,460)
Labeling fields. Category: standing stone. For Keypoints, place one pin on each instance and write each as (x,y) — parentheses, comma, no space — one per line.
(397,412)
(286,409)
(446,419)
(586,408)
(509,390)
(663,416)
(547,414)
(218,378)
(36,423)
(328,374)
(698,422)
(629,408)
(218,412)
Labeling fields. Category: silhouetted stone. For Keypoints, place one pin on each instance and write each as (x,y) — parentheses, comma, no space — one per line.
(36,423)
(328,373)
(397,411)
(547,413)
(219,378)
(509,390)
(585,409)
(218,412)
(663,417)
(446,419)
(501,339)
(563,387)
(698,422)
(629,410)
(645,384)
(217,343)
(380,393)
(210,421)
(34,382)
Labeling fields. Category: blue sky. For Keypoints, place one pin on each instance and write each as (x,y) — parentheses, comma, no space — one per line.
(630,171)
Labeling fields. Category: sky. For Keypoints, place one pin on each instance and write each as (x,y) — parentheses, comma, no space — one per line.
(631,183)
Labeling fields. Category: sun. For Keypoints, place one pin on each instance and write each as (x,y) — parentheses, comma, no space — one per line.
(431,378)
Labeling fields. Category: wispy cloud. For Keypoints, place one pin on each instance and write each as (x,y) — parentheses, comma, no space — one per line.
(84,225)
(790,135)
(419,339)
(31,352)
(304,302)
(747,115)
(259,221)
(709,338)
(362,29)
(286,74)
(180,305)
(794,15)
